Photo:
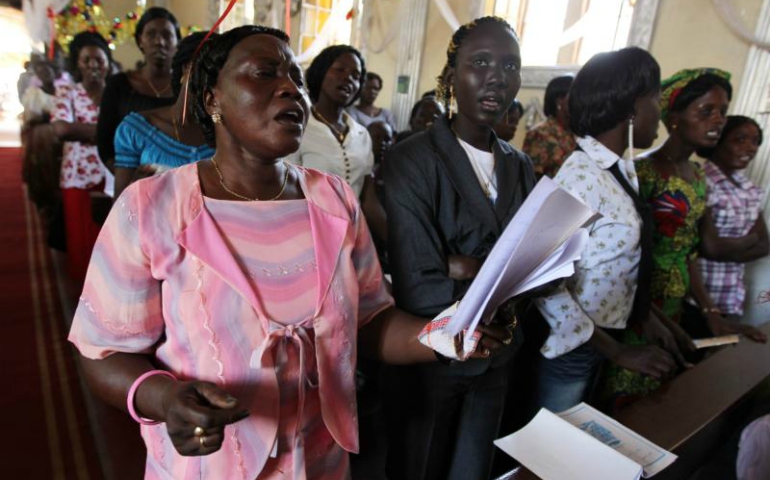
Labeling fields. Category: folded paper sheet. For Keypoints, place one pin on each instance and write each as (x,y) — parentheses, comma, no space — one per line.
(583,444)
(539,245)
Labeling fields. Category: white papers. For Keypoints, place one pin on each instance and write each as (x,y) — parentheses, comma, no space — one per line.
(583,444)
(539,245)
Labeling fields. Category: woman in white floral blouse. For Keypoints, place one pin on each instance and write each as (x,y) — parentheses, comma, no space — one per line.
(74,122)
(613,107)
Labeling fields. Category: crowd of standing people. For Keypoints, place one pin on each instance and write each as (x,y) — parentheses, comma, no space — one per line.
(231,218)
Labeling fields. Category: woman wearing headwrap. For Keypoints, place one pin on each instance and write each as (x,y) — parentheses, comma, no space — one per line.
(694,106)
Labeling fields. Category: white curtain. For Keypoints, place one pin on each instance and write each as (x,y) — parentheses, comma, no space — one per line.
(733,20)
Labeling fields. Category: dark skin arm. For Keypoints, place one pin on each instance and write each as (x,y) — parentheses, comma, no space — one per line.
(181,405)
(75,132)
(648,359)
(744,249)
(375,215)
(123,178)
(391,337)
(680,337)
(714,319)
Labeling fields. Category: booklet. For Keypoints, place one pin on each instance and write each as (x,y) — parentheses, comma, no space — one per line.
(539,245)
(715,341)
(583,444)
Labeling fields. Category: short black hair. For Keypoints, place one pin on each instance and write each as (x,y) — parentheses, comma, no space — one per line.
(418,104)
(316,72)
(733,122)
(184,55)
(154,13)
(211,59)
(557,88)
(373,76)
(605,89)
(699,87)
(81,41)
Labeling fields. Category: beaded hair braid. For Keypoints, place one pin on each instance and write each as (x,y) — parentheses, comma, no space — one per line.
(444,92)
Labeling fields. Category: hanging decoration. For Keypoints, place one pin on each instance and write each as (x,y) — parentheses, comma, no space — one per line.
(82,15)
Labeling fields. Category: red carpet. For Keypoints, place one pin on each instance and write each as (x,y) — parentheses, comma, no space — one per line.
(45,432)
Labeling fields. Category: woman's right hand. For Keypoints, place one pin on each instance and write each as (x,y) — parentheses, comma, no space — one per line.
(189,405)
(648,360)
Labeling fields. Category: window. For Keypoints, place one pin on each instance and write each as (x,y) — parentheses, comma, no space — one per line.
(314,15)
(558,36)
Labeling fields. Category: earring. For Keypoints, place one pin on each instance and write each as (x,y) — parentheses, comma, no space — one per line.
(631,138)
(216,117)
(674,126)
(452,106)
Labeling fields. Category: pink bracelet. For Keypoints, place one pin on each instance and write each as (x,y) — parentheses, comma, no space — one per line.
(132,394)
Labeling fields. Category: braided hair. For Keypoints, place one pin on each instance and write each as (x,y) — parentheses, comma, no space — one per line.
(81,41)
(184,55)
(444,91)
(211,59)
(154,13)
(320,65)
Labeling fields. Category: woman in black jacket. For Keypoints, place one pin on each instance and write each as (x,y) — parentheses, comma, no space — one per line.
(450,192)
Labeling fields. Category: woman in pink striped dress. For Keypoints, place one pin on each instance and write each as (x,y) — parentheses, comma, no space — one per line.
(225,300)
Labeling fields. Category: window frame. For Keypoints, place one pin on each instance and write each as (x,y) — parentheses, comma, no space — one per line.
(640,35)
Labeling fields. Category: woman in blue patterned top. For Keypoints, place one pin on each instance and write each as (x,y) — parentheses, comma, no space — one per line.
(156,139)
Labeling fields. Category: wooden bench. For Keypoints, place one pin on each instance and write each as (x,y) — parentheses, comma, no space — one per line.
(692,414)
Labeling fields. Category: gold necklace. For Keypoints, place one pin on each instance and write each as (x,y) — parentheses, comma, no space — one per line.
(340,136)
(157,92)
(243,197)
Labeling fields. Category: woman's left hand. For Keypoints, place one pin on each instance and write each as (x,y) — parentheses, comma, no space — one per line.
(719,326)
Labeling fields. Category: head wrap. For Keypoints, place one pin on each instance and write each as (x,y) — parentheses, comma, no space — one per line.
(673,85)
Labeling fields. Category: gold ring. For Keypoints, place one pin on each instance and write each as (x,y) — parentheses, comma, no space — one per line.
(202,441)
(199,432)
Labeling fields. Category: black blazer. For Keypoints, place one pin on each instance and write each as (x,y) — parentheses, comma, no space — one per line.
(437,208)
